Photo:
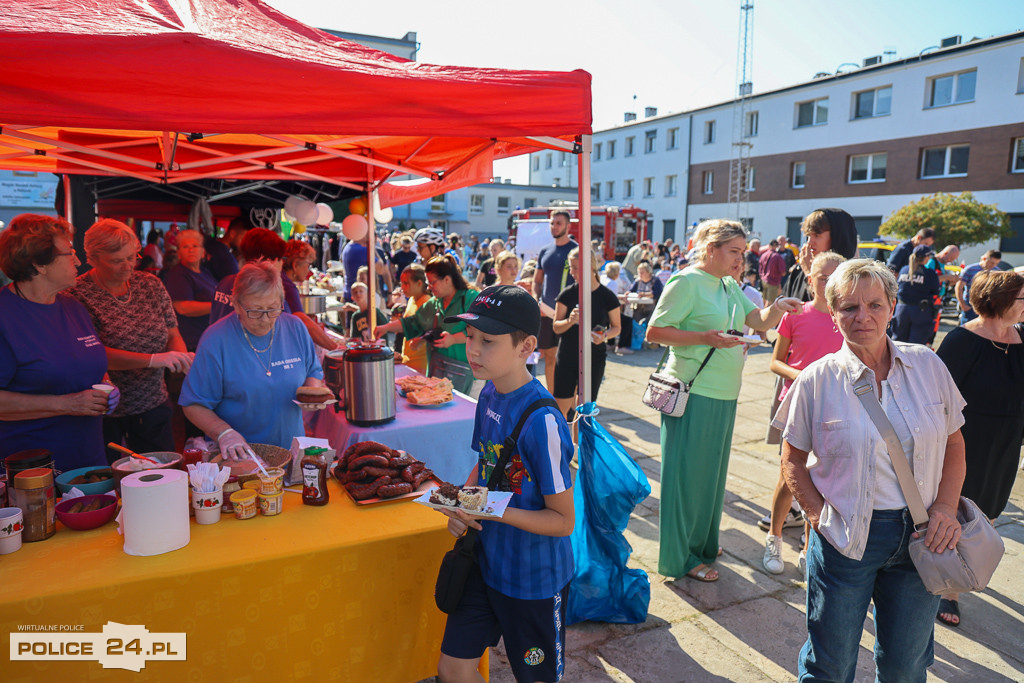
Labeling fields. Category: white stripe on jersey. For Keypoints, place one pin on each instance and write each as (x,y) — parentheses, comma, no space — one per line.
(554,444)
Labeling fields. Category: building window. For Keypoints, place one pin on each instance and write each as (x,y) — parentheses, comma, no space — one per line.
(504,204)
(708,178)
(547,160)
(749,185)
(536,162)
(868,168)
(871,103)
(557,182)
(629,146)
(952,88)
(945,162)
(437,204)
(529,202)
(561,160)
(799,174)
(627,189)
(650,140)
(597,151)
(609,189)
(476,204)
(709,132)
(1018,155)
(611,149)
(595,192)
(1020,76)
(813,113)
(673,138)
(750,127)
(648,187)
(671,183)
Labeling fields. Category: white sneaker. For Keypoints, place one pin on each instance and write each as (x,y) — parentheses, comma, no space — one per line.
(772,561)
(802,563)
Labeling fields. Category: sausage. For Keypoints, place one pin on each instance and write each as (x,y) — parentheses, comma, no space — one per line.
(373,471)
(408,475)
(361,461)
(417,466)
(347,455)
(364,491)
(392,490)
(399,459)
(421,477)
(366,447)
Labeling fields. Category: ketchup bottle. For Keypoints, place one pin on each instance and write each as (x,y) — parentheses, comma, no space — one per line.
(314,476)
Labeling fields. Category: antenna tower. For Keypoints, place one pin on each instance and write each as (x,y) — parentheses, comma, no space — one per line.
(739,162)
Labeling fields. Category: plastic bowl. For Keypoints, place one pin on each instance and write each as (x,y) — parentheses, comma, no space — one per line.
(83,521)
(64,485)
(167,460)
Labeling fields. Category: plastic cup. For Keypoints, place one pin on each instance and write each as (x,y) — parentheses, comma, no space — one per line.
(274,483)
(207,506)
(271,503)
(11,525)
(105,388)
(245,503)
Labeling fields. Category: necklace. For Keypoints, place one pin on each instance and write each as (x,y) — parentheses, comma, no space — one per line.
(248,341)
(1004,349)
(122,301)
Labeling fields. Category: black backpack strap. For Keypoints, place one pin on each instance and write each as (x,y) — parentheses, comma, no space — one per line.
(498,473)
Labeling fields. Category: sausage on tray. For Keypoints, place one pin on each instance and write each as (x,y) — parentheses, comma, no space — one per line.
(361,461)
(364,491)
(392,490)
(421,477)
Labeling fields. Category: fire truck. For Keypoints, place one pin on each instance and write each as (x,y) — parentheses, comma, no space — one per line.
(619,226)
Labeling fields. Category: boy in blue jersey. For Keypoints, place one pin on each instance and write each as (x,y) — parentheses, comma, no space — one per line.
(524,560)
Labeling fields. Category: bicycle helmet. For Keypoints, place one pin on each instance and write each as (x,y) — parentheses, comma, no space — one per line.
(433,236)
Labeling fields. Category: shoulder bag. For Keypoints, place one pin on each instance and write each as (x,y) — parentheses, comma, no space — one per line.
(967,567)
(459,562)
(669,395)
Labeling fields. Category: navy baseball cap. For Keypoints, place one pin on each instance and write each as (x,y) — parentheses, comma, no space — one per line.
(502,309)
(922,250)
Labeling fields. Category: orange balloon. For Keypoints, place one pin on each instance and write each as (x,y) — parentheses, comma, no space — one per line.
(357,206)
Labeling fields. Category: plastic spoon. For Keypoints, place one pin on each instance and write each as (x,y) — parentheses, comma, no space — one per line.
(128,451)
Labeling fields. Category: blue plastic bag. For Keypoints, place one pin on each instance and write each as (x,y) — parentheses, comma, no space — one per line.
(608,486)
(639,332)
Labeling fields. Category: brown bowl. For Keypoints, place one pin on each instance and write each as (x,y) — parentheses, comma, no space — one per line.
(273,456)
(167,460)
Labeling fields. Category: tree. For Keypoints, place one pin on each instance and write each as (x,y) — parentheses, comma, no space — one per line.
(957,219)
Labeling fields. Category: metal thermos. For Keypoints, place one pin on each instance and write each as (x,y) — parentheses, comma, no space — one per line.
(368,377)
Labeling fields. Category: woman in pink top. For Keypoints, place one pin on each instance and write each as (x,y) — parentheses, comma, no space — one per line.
(803,339)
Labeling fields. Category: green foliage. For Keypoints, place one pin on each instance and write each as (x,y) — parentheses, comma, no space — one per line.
(957,219)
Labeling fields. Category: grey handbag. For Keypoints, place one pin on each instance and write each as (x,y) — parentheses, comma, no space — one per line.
(667,394)
(971,564)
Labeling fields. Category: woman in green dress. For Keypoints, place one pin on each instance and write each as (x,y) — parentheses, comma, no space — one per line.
(698,307)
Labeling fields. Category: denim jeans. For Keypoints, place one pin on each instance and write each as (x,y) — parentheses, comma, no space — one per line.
(839,590)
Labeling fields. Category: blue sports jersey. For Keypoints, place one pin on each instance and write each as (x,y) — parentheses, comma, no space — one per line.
(514,562)
(229,379)
(51,349)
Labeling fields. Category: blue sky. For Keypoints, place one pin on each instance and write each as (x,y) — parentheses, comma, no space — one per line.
(673,55)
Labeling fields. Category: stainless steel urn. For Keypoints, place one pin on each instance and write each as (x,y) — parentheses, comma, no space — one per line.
(368,376)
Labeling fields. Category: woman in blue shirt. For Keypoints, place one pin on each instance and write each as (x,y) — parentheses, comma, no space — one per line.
(247,367)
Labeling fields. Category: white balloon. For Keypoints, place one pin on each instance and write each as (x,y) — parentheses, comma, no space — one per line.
(291,205)
(355,227)
(325,214)
(383,215)
(306,212)
(334,227)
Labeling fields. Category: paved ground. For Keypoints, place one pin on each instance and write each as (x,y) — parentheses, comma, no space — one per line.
(749,626)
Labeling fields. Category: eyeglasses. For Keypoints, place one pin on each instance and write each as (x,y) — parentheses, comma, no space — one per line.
(256,313)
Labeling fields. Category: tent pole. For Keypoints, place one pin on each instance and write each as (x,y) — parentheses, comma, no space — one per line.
(68,204)
(371,253)
(585,317)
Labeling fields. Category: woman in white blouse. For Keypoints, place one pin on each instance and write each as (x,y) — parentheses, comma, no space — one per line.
(838,467)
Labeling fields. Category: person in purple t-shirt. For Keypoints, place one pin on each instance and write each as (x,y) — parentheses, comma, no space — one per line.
(50,354)
(191,288)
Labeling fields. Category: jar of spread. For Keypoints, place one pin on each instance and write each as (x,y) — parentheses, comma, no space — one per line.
(230,486)
(314,476)
(33,493)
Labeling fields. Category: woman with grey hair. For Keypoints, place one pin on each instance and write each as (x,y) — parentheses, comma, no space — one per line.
(135,320)
(696,316)
(857,552)
(248,367)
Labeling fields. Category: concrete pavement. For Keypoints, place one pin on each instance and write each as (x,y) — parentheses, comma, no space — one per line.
(749,626)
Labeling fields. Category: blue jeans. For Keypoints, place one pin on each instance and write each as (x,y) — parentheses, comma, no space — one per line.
(839,591)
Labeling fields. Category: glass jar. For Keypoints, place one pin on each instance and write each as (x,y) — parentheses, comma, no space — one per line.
(33,493)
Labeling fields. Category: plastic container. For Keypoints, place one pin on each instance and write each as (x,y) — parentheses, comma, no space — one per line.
(26,460)
(230,486)
(244,502)
(271,503)
(274,483)
(33,492)
(314,476)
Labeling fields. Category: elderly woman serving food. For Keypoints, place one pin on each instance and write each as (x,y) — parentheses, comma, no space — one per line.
(248,366)
(837,465)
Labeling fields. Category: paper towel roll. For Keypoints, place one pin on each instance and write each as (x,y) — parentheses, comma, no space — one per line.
(155,520)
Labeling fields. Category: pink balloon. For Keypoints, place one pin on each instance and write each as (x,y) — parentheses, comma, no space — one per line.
(354,227)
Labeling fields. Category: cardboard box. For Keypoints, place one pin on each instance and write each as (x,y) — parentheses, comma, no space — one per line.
(299,445)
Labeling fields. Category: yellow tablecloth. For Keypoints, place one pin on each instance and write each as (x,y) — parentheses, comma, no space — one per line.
(340,592)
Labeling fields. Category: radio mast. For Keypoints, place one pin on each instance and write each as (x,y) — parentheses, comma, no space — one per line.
(739,162)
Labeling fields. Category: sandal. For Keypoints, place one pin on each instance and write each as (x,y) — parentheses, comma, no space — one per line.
(705,573)
(951,608)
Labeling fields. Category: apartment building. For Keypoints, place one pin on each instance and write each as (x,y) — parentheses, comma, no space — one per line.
(868,140)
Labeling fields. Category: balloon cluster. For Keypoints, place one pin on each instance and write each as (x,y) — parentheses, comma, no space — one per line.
(299,213)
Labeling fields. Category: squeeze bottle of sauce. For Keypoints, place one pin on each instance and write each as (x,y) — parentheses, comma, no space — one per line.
(314,477)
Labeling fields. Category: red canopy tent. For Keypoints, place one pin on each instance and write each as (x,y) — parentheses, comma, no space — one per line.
(176,90)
